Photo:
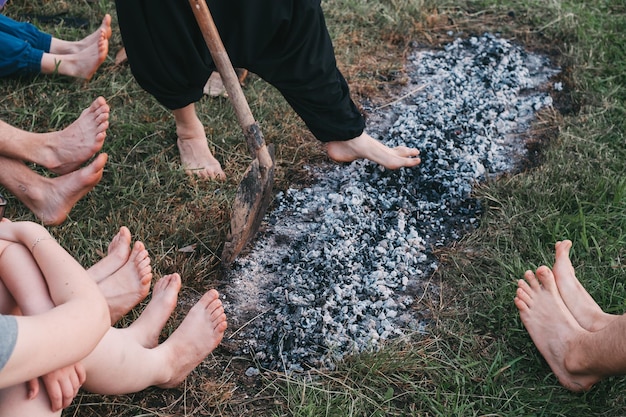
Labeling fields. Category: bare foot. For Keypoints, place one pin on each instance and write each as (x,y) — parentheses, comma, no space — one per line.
(193,145)
(117,255)
(94,37)
(552,327)
(64,151)
(579,302)
(129,285)
(148,326)
(53,198)
(82,64)
(196,337)
(196,157)
(62,47)
(214,86)
(367,147)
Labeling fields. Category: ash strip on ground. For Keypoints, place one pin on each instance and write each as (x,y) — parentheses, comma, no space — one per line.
(341,263)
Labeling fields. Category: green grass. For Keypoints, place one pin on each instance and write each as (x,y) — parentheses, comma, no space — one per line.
(477,358)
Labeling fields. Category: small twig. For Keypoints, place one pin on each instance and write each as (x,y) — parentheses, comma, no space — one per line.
(416,90)
(248,322)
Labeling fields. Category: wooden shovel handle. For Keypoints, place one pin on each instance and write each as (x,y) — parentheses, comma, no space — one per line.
(225,67)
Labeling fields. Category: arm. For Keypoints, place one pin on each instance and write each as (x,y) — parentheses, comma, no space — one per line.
(70,330)
(29,291)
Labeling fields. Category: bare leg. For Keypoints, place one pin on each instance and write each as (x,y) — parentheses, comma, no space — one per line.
(50,199)
(62,47)
(553,329)
(367,147)
(193,145)
(7,302)
(82,64)
(579,302)
(130,284)
(63,151)
(165,365)
(14,402)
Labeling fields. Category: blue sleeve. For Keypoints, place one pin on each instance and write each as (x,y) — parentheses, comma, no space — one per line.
(8,337)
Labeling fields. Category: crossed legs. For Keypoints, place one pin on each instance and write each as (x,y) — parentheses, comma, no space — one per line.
(581,343)
(63,153)
(131,359)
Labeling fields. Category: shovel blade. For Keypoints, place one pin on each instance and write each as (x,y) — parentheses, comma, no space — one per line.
(249,207)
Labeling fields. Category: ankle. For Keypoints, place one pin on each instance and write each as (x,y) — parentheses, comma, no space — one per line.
(577,359)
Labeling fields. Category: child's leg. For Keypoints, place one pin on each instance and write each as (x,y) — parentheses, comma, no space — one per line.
(26,284)
(121,353)
(14,402)
(7,302)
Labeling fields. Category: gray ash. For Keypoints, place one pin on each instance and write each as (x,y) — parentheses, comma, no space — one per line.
(341,264)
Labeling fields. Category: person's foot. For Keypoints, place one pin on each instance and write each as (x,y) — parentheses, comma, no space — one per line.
(197,336)
(366,147)
(148,326)
(214,86)
(82,64)
(195,155)
(94,37)
(64,151)
(117,255)
(55,197)
(579,302)
(551,326)
(63,47)
(129,285)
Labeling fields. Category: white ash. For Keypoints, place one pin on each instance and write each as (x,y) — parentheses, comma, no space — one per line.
(341,264)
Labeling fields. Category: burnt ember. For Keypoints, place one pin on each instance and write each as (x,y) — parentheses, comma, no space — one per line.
(341,264)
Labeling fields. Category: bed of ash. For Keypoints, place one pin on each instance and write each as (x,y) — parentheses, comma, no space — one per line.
(342,264)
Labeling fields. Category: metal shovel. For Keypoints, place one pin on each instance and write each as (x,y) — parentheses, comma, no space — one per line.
(255,190)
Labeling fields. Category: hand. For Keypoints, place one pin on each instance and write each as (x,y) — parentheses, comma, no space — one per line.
(63,385)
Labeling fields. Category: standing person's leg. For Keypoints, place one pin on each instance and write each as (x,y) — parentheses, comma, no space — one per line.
(133,351)
(50,199)
(195,155)
(62,151)
(579,358)
(301,64)
(169,66)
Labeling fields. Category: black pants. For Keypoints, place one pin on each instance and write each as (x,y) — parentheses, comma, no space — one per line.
(285,42)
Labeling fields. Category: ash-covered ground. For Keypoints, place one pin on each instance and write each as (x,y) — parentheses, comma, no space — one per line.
(340,265)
